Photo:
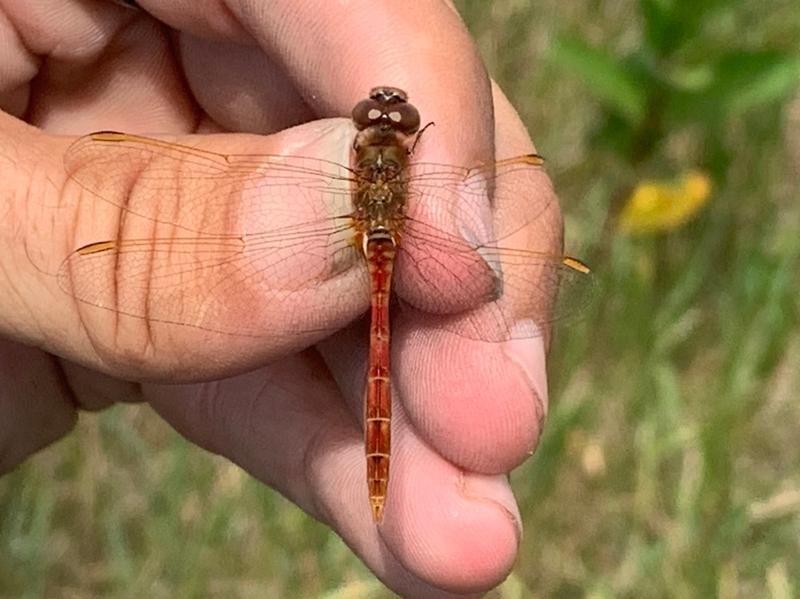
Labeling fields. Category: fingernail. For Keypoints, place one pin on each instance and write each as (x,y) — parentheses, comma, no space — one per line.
(494,488)
(489,257)
(526,350)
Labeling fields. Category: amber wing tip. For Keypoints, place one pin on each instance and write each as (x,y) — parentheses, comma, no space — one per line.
(576,264)
(108,135)
(536,159)
(96,247)
(377,509)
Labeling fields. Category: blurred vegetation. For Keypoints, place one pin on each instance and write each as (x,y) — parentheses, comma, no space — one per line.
(670,465)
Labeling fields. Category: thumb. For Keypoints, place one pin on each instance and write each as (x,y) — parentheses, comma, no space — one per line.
(156,261)
(32,310)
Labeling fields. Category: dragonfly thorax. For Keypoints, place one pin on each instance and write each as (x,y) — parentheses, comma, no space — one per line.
(380,206)
(379,197)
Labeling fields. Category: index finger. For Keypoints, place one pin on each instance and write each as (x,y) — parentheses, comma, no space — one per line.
(332,54)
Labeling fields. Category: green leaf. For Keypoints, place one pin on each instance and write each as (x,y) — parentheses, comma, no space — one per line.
(660,29)
(613,83)
(746,80)
(739,82)
(672,25)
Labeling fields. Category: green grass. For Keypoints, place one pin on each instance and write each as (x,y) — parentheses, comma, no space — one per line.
(670,465)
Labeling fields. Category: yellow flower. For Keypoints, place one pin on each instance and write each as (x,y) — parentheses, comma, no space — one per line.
(663,206)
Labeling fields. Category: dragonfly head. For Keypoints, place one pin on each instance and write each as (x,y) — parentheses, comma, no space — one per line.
(387,108)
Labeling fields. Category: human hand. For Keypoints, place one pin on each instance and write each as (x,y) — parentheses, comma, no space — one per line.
(467,412)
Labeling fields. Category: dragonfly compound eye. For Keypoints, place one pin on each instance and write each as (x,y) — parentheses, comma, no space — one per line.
(367,113)
(405,118)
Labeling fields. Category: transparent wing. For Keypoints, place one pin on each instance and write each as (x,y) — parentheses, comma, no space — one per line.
(252,235)
(208,192)
(481,251)
(256,234)
(486,291)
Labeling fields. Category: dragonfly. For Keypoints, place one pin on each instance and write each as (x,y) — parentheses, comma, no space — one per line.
(437,241)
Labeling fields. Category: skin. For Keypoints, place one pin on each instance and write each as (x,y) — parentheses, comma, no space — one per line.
(466,412)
